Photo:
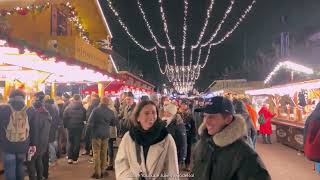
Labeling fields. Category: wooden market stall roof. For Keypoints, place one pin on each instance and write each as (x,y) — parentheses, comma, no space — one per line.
(234,85)
(24,15)
(90,12)
(286,89)
(133,80)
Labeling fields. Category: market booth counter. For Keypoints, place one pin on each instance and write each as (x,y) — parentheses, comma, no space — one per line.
(291,104)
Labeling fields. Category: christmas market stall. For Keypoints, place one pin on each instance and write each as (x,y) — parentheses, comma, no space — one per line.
(64,47)
(291,103)
(50,42)
(233,88)
(125,82)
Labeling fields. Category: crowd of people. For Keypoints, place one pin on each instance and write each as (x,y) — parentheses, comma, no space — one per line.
(160,137)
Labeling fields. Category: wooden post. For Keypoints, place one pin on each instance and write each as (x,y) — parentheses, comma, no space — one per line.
(53,90)
(100,89)
(7,87)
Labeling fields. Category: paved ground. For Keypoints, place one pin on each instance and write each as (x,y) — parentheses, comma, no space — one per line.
(283,163)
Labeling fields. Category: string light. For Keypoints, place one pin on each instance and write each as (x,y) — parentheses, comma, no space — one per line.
(227,12)
(157,57)
(76,21)
(184,36)
(165,25)
(288,65)
(148,25)
(228,33)
(209,10)
(236,25)
(288,89)
(115,13)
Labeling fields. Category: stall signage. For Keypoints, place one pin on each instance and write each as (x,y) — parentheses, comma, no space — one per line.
(299,138)
(88,54)
(281,133)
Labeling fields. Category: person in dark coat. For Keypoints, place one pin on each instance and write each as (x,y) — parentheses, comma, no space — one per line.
(99,122)
(176,128)
(241,109)
(38,165)
(14,153)
(197,116)
(54,112)
(95,100)
(73,118)
(125,123)
(223,152)
(189,123)
(62,135)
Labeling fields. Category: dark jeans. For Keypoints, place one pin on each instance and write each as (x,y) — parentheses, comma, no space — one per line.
(45,161)
(189,147)
(74,138)
(13,165)
(88,140)
(110,151)
(35,167)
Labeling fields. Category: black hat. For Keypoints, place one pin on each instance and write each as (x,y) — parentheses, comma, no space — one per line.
(184,101)
(145,98)
(16,93)
(218,104)
(39,96)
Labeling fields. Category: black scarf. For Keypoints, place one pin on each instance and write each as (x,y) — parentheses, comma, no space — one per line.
(146,138)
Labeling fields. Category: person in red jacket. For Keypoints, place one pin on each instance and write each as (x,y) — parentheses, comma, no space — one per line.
(265,128)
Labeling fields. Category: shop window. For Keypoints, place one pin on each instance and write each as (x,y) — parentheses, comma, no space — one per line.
(59,23)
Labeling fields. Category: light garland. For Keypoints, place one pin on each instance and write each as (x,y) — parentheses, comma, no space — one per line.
(288,89)
(76,21)
(157,57)
(236,25)
(227,34)
(148,25)
(209,10)
(184,74)
(165,25)
(184,37)
(115,13)
(288,65)
(227,12)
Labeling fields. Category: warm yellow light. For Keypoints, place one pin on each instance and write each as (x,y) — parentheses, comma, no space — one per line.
(60,70)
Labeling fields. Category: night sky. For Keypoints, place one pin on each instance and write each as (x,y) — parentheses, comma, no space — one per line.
(248,53)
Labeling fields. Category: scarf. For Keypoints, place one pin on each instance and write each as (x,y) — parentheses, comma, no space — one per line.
(146,138)
(149,137)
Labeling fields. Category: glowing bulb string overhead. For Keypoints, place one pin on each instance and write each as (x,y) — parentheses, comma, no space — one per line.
(115,13)
(157,57)
(184,36)
(204,28)
(226,35)
(148,25)
(180,71)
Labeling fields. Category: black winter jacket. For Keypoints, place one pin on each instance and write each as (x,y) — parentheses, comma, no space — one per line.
(178,131)
(54,113)
(190,126)
(95,103)
(100,121)
(74,115)
(227,155)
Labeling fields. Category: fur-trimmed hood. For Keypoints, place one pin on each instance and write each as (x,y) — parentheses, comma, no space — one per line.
(234,131)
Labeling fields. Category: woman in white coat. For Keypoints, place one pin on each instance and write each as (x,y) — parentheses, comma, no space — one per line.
(147,151)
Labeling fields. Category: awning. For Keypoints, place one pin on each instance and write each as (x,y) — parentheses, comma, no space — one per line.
(58,71)
(113,88)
